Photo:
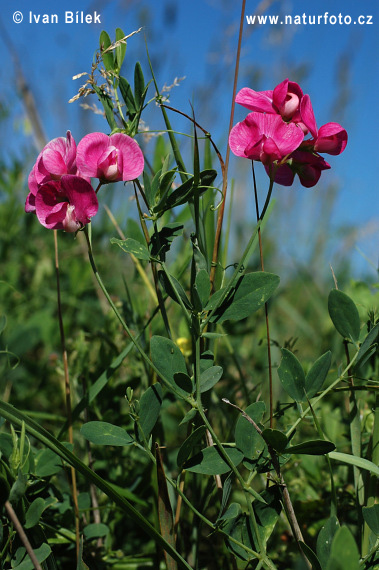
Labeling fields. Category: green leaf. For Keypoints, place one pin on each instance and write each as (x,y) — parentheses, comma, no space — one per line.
(133,246)
(95,530)
(202,287)
(238,525)
(317,374)
(165,516)
(189,416)
(149,408)
(184,382)
(247,438)
(108,58)
(35,510)
(357,461)
(188,445)
(127,95)
(120,50)
(168,359)
(344,314)
(210,461)
(371,516)
(325,539)
(210,377)
(344,554)
(291,376)
(366,346)
(314,447)
(310,555)
(139,84)
(107,104)
(161,242)
(103,433)
(18,419)
(276,439)
(42,553)
(46,463)
(251,291)
(267,512)
(174,291)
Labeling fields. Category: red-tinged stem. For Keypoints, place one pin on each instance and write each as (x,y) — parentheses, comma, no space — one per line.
(220,216)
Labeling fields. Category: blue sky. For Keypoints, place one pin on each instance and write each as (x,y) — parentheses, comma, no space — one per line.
(197,40)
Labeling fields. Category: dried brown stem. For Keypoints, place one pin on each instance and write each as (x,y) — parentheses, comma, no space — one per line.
(24,539)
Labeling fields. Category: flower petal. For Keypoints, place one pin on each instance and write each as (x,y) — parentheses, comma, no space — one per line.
(132,163)
(89,150)
(80,194)
(331,138)
(308,116)
(260,101)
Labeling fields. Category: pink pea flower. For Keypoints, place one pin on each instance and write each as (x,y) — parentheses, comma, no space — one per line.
(286,100)
(265,137)
(307,165)
(109,158)
(67,204)
(56,159)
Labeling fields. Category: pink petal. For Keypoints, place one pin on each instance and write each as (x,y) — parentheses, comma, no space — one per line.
(260,101)
(89,150)
(108,165)
(30,204)
(284,175)
(307,115)
(131,160)
(332,139)
(240,138)
(81,195)
(51,205)
(54,163)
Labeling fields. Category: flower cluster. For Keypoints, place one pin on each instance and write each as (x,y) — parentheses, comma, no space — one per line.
(274,134)
(60,190)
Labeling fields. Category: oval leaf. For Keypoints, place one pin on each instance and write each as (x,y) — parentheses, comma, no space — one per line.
(344,314)
(103,433)
(249,294)
(315,447)
(188,445)
(371,516)
(210,462)
(277,439)
(149,408)
(95,530)
(210,377)
(317,374)
(292,376)
(133,246)
(168,359)
(247,438)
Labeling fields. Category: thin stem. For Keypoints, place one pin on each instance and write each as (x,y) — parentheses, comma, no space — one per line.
(318,398)
(287,503)
(123,323)
(260,218)
(67,392)
(24,539)
(220,216)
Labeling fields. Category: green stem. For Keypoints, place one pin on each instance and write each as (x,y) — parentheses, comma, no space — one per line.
(123,323)
(316,400)
(230,284)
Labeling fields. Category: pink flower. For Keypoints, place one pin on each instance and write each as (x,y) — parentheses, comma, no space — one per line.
(286,100)
(56,159)
(331,138)
(67,204)
(265,137)
(307,165)
(110,158)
